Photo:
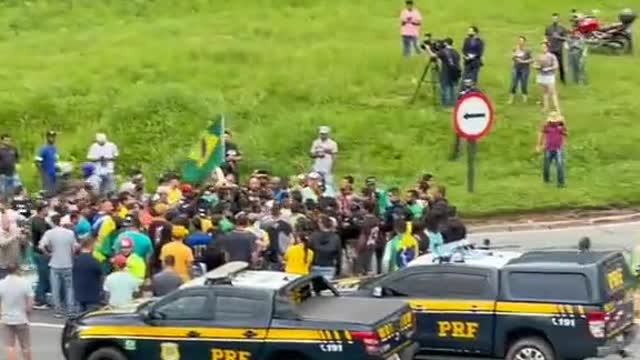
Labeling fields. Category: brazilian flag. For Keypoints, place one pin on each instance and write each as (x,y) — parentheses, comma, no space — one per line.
(207,154)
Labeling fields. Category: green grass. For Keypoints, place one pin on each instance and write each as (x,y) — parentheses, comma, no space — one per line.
(151,74)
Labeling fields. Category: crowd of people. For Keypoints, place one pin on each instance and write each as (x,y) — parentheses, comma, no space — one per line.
(94,243)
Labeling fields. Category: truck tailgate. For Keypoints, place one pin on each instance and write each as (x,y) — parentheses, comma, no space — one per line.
(391,323)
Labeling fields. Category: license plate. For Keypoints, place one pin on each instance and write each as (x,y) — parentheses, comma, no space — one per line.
(620,338)
(394,357)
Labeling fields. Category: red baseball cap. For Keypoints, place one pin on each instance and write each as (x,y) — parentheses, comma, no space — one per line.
(126,243)
(119,261)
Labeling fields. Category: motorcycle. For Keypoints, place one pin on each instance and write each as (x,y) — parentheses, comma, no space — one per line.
(615,37)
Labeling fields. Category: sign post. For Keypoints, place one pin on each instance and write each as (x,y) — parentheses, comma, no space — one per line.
(473,119)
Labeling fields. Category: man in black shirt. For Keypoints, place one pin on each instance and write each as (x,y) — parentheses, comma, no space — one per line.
(556,35)
(472,52)
(449,73)
(8,160)
(39,226)
(240,244)
(232,156)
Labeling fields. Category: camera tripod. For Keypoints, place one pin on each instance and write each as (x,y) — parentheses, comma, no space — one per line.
(433,69)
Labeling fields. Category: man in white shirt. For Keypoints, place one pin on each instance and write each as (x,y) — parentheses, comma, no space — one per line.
(104,154)
(16,302)
(324,151)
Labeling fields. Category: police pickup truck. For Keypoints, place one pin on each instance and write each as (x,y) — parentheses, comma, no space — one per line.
(541,305)
(239,314)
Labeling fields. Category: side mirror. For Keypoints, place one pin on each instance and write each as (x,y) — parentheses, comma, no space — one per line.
(150,315)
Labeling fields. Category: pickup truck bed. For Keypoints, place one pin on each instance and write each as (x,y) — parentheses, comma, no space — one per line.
(344,309)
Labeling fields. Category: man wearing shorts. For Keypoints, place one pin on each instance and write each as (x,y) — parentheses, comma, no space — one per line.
(16,300)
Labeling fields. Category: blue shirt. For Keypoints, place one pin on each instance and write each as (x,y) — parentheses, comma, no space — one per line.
(86,279)
(48,157)
(198,239)
(473,46)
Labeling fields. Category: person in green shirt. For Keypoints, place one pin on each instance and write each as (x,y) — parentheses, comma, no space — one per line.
(414,205)
(136,266)
(401,249)
(142,245)
(381,197)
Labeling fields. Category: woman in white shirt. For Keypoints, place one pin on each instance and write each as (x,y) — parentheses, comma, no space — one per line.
(547,65)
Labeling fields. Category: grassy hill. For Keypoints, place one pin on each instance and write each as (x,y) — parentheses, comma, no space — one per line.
(151,73)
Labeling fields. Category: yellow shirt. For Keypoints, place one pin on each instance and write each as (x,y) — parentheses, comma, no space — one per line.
(174,196)
(123,212)
(106,228)
(183,256)
(294,260)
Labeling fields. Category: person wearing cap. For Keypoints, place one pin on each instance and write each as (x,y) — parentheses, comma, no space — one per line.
(142,245)
(135,264)
(551,139)
(181,253)
(46,161)
(90,177)
(313,189)
(324,151)
(103,154)
(120,285)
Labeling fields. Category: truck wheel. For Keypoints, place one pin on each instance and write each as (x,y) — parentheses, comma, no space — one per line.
(107,353)
(530,348)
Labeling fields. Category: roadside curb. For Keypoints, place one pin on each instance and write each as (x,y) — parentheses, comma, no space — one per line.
(548,225)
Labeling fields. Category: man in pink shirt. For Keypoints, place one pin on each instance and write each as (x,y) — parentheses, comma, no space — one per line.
(551,139)
(410,20)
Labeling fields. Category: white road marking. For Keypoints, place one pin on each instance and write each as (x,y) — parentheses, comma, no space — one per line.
(571,228)
(47,325)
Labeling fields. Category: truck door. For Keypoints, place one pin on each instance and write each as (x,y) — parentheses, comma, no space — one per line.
(454,306)
(241,319)
(176,328)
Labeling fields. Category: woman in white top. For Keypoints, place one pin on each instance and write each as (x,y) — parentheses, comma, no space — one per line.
(547,65)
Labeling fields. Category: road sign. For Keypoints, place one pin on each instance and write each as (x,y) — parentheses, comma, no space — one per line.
(472,119)
(473,116)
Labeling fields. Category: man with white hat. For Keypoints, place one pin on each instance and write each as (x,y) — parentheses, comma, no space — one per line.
(104,154)
(324,150)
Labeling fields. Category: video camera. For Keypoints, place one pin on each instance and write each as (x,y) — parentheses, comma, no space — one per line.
(434,45)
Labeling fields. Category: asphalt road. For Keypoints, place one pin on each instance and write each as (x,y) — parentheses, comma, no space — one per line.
(45,331)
